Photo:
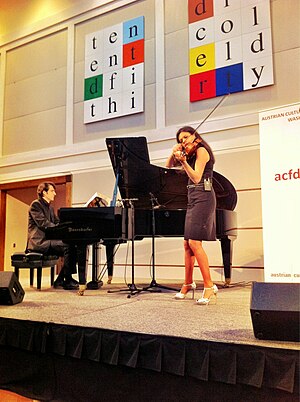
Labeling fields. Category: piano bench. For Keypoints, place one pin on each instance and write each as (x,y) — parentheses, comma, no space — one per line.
(32,261)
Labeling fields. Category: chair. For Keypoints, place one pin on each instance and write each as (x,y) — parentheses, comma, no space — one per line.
(32,261)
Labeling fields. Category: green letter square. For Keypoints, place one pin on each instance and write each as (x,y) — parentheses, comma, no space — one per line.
(93,87)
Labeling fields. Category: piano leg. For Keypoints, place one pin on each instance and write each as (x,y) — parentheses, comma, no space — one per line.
(82,262)
(226,254)
(110,254)
(94,283)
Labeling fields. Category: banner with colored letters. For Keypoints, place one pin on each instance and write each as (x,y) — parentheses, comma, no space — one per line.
(114,71)
(230,47)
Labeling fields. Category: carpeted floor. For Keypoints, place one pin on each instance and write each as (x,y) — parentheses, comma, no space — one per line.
(157,313)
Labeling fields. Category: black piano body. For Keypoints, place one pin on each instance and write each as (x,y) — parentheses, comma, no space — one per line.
(142,181)
(80,225)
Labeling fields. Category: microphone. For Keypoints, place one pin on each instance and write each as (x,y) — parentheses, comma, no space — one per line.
(154,200)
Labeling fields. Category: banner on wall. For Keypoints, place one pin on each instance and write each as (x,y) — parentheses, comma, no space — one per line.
(230,47)
(114,71)
(280,182)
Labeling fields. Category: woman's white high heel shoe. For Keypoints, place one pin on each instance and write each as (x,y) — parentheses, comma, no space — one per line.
(181,296)
(204,301)
(81,290)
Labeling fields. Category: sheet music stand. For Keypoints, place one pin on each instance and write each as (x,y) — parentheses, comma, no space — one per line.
(154,286)
(137,180)
(132,289)
(123,153)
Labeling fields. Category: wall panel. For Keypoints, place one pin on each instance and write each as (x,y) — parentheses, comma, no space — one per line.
(241,166)
(35,95)
(35,131)
(40,94)
(37,57)
(249,210)
(286,28)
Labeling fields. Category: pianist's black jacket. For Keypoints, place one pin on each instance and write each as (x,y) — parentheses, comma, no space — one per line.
(40,216)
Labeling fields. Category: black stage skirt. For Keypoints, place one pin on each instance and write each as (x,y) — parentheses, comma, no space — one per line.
(200,220)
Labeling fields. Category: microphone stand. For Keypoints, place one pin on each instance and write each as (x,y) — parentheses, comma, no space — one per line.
(154,286)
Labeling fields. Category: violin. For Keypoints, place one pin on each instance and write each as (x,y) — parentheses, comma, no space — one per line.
(191,147)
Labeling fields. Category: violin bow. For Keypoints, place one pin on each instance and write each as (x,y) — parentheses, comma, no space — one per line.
(212,111)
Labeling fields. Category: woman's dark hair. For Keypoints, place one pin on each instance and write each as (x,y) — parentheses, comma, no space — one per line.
(44,187)
(191,130)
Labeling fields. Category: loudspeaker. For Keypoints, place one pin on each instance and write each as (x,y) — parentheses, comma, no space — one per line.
(275,311)
(11,291)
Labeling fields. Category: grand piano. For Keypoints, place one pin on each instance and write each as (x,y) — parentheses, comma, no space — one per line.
(156,196)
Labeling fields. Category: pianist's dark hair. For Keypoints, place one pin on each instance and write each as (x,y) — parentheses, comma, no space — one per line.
(191,130)
(44,187)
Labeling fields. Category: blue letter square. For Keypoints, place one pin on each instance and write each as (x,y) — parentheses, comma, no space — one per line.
(229,79)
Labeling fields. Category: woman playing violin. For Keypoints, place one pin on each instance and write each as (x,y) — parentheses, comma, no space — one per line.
(197,159)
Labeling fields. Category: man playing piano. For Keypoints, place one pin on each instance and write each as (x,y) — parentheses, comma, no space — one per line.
(40,216)
(197,159)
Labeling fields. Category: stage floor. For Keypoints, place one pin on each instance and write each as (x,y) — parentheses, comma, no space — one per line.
(144,342)
(153,313)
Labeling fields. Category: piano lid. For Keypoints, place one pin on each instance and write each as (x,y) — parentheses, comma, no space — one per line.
(139,179)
